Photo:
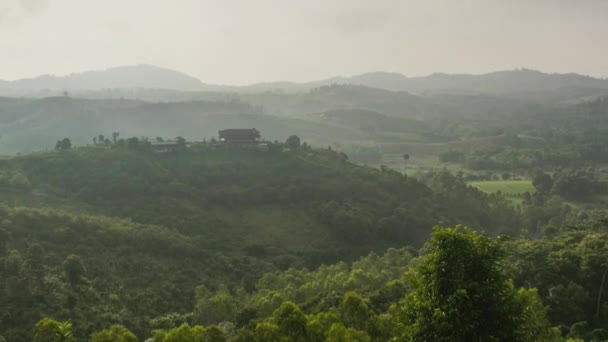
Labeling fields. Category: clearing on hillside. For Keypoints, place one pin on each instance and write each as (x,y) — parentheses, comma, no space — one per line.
(514,187)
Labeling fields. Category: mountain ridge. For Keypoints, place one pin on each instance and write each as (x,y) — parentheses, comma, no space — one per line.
(146,76)
(126,77)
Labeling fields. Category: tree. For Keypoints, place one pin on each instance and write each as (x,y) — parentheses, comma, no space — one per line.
(74,269)
(353,311)
(268,332)
(183,333)
(535,315)
(462,293)
(115,137)
(291,321)
(4,237)
(574,184)
(116,333)
(293,142)
(213,334)
(214,307)
(339,333)
(133,142)
(50,330)
(63,145)
(180,141)
(34,267)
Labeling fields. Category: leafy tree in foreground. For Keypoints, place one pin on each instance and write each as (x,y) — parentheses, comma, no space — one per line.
(339,333)
(291,321)
(50,330)
(354,311)
(116,333)
(463,292)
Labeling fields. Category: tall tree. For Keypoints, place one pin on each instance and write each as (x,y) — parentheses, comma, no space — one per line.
(293,142)
(463,292)
(291,321)
(50,330)
(74,269)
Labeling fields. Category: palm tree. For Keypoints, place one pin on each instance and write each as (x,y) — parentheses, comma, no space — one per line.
(64,331)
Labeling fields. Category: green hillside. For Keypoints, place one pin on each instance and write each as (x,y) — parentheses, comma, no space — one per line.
(210,215)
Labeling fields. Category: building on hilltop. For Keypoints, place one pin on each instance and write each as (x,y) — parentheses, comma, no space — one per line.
(241,136)
(164,146)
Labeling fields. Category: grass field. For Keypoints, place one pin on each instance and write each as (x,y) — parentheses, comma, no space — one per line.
(512,189)
(515,187)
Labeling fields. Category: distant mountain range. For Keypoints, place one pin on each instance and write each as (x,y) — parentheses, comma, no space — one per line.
(513,82)
(124,77)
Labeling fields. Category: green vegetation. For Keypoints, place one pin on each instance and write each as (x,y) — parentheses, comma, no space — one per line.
(215,243)
(515,190)
(514,187)
(101,239)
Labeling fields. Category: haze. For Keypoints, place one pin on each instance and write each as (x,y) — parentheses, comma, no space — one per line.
(240,42)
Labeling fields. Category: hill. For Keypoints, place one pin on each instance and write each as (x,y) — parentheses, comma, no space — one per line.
(207,216)
(28,125)
(114,233)
(123,77)
(508,82)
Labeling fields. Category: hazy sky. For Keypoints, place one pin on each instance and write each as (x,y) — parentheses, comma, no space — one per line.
(243,41)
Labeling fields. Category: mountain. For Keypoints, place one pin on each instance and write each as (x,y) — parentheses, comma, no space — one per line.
(125,77)
(516,83)
(500,82)
(521,83)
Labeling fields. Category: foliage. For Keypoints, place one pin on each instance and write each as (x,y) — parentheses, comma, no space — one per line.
(115,234)
(63,144)
(115,333)
(462,291)
(49,330)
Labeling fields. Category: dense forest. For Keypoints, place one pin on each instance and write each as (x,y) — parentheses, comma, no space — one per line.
(113,242)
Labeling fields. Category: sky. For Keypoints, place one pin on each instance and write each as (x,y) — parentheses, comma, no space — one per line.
(247,41)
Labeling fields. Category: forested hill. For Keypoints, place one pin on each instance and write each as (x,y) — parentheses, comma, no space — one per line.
(150,227)
(211,189)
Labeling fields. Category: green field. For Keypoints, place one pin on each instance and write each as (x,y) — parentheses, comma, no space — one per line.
(511,187)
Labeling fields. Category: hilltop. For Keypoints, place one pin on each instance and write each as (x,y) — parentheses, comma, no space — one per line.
(122,77)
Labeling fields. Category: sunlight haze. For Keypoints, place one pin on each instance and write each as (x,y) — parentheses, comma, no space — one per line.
(241,42)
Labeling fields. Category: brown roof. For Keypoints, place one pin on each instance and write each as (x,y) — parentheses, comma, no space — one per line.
(250,133)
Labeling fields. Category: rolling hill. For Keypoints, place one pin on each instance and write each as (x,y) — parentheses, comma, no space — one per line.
(151,227)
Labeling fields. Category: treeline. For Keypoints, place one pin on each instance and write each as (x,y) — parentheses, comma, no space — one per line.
(460,288)
(564,137)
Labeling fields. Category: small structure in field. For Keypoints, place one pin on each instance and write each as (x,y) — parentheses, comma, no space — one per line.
(241,136)
(164,146)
